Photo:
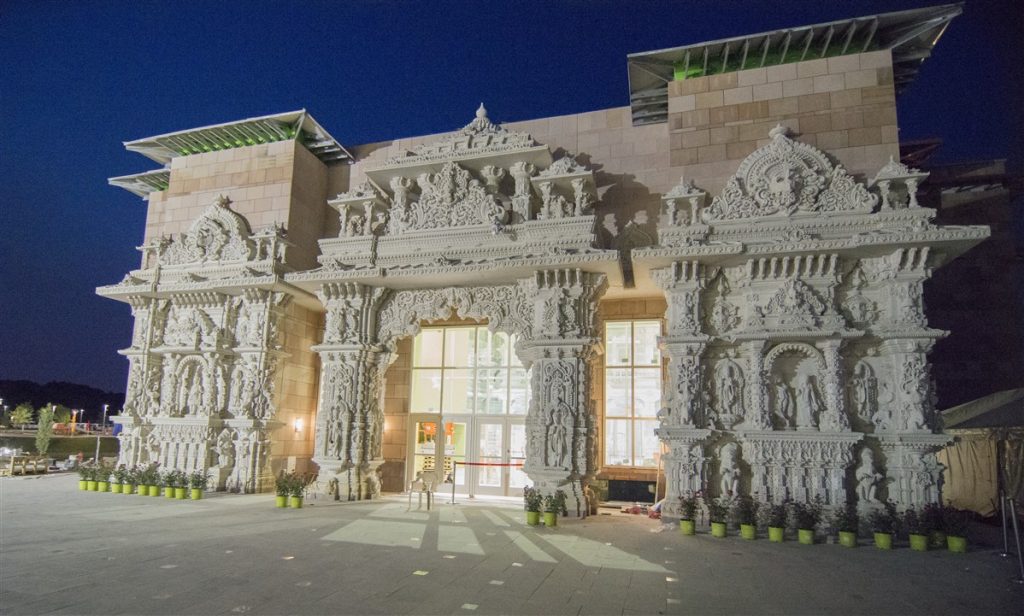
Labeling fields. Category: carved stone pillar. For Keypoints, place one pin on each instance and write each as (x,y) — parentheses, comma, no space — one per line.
(913,474)
(758,415)
(350,420)
(561,427)
(833,418)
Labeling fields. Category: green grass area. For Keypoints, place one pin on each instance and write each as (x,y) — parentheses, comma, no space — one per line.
(62,446)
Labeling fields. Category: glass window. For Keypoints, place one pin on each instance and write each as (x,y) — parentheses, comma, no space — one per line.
(463,370)
(632,392)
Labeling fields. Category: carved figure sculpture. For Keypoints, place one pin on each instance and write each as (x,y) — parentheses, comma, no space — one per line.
(863,391)
(730,393)
(783,398)
(866,477)
(557,449)
(808,405)
(730,473)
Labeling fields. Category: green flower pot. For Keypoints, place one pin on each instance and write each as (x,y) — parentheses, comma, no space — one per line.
(937,539)
(127,488)
(102,486)
(83,484)
(805,536)
(197,494)
(154,490)
(295,502)
(281,501)
(550,519)
(748,531)
(179,493)
(883,541)
(115,488)
(919,543)
(533,518)
(718,529)
(776,534)
(957,544)
(688,527)
(92,486)
(143,490)
(169,492)
(847,539)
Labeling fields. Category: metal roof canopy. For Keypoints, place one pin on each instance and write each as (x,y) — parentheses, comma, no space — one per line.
(252,131)
(143,183)
(910,35)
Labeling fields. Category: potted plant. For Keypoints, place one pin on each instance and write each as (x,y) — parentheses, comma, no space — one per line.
(774,517)
(744,512)
(688,514)
(282,488)
(197,481)
(933,519)
(532,500)
(149,481)
(917,529)
(884,522)
(131,480)
(84,474)
(718,513)
(805,518)
(103,472)
(170,481)
(847,522)
(298,490)
(955,523)
(553,505)
(120,475)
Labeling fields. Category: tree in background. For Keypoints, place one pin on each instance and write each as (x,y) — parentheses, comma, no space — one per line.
(62,415)
(45,429)
(22,415)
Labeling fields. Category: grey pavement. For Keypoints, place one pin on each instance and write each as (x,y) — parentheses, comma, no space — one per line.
(68,552)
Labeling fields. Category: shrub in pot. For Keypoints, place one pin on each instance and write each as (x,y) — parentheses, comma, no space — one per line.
(744,513)
(955,523)
(283,488)
(120,480)
(718,514)
(149,481)
(533,500)
(917,529)
(170,481)
(688,513)
(804,518)
(84,475)
(554,504)
(103,478)
(884,523)
(774,516)
(298,491)
(197,482)
(933,519)
(847,522)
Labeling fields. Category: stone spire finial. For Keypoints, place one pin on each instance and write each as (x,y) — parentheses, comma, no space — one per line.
(778,131)
(481,112)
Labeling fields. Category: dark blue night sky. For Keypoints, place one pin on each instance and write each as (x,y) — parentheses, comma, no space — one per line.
(78,78)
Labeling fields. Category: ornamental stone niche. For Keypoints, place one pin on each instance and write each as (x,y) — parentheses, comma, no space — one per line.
(483,225)
(206,353)
(796,337)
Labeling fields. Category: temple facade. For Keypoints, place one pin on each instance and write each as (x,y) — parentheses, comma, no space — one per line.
(718,288)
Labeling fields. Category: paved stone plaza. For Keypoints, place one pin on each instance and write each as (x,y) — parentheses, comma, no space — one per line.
(70,552)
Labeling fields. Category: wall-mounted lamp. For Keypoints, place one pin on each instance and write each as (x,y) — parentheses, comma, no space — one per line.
(297,424)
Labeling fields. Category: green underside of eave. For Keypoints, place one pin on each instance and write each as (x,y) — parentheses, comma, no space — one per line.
(717,66)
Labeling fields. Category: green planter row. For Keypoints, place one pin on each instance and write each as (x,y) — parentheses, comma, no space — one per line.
(142,490)
(883,541)
(533,518)
(295,502)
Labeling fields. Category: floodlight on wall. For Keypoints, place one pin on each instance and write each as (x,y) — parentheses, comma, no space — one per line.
(297,424)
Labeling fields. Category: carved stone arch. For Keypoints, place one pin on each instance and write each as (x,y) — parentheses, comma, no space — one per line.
(802,348)
(194,386)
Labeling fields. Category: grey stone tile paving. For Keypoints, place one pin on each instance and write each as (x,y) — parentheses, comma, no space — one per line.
(68,552)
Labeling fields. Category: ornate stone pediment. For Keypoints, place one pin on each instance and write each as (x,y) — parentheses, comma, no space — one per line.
(785,178)
(796,306)
(481,136)
(219,235)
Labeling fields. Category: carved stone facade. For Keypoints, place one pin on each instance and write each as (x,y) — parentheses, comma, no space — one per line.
(206,349)
(796,334)
(795,346)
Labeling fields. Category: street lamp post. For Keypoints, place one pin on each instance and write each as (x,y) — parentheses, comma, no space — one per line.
(105,418)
